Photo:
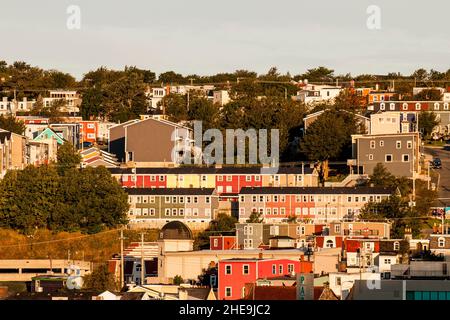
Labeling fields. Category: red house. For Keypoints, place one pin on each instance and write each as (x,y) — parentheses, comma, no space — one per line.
(222,242)
(329,242)
(234,274)
(89,131)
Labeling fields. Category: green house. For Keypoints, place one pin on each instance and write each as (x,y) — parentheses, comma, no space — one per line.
(48,133)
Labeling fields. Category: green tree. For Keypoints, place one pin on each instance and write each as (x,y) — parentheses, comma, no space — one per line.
(67,157)
(10,123)
(175,107)
(427,122)
(397,211)
(329,138)
(428,95)
(255,217)
(100,280)
(177,280)
(204,110)
(319,74)
(29,197)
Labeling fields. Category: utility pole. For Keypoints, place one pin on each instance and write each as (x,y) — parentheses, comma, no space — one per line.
(122,275)
(142,259)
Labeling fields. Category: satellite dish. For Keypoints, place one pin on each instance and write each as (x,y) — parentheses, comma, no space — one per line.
(74,283)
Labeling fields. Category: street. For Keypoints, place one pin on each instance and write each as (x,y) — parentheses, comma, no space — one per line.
(444,180)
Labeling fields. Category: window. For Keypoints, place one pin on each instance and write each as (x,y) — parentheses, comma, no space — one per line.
(405,158)
(274,230)
(275,198)
(195,199)
(387,261)
(245,269)
(207,212)
(282,198)
(242,199)
(382,106)
(248,178)
(268,211)
(188,212)
(203,178)
(253,198)
(228,292)
(274,269)
(248,230)
(248,243)
(349,199)
(257,178)
(280,269)
(329,244)
(398,144)
(300,230)
(418,105)
(396,246)
(381,143)
(188,199)
(161,178)
(338,281)
(441,242)
(216,242)
(174,200)
(372,144)
(409,144)
(167,212)
(290,268)
(337,228)
(195,212)
(181,212)
(219,178)
(405,106)
(229,178)
(275,211)
(283,211)
(174,212)
(392,106)
(388,158)
(370,156)
(207,199)
(152,211)
(261,198)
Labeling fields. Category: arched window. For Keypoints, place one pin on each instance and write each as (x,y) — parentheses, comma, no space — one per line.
(329,244)
(396,246)
(405,106)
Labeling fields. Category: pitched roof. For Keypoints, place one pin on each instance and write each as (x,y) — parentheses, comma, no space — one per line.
(270,292)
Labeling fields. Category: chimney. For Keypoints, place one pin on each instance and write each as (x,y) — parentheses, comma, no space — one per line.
(260,255)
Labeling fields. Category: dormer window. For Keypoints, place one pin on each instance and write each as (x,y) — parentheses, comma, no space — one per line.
(396,246)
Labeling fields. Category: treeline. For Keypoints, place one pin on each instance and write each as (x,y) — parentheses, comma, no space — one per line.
(61,197)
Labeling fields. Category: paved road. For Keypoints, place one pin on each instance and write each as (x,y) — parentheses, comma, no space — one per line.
(444,181)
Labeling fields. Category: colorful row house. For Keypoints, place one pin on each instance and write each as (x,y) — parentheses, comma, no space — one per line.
(319,205)
(226,180)
(258,235)
(154,207)
(234,274)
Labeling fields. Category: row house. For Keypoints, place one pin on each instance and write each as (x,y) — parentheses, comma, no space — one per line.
(234,274)
(440,244)
(13,152)
(12,107)
(440,108)
(258,235)
(222,242)
(360,228)
(368,253)
(321,205)
(95,131)
(34,125)
(226,180)
(399,153)
(72,100)
(154,207)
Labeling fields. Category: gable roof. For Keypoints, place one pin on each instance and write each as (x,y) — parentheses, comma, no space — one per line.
(48,133)
(317,190)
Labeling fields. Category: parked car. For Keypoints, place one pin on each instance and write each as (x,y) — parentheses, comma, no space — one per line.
(436,163)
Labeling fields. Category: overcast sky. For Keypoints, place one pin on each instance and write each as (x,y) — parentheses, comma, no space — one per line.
(207,36)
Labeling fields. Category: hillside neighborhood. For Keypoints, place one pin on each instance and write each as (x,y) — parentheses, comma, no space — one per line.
(352,203)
